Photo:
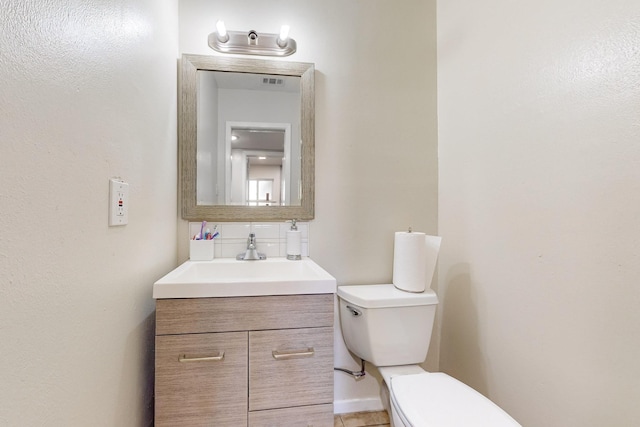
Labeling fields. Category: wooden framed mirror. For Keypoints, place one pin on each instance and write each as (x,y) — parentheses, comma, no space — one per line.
(246,139)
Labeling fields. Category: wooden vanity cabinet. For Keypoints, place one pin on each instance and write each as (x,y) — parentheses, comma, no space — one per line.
(277,368)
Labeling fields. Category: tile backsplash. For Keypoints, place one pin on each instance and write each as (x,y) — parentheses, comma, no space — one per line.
(271,237)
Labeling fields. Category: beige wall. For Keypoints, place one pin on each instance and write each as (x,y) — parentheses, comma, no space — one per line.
(88,92)
(539,206)
(376,152)
(538,190)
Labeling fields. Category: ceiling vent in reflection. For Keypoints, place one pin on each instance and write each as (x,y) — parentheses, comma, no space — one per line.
(272,81)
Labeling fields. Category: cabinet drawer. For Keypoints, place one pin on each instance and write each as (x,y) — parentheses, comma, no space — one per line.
(193,388)
(302,416)
(199,315)
(292,367)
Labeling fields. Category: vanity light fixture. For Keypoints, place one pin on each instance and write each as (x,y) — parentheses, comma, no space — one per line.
(252,42)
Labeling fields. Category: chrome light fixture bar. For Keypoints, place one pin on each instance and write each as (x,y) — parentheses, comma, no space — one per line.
(252,42)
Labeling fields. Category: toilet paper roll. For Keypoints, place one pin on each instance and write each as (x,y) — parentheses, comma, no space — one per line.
(414,260)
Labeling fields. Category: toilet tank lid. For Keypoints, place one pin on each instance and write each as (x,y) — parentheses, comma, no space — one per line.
(384,296)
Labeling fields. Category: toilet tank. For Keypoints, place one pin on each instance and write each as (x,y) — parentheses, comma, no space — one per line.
(386,326)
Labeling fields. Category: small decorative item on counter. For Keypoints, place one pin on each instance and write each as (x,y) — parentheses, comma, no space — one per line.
(294,242)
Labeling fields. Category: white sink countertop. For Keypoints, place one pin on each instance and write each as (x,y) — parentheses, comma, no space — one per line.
(228,277)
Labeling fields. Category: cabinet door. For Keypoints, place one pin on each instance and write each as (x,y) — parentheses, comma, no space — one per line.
(290,367)
(201,380)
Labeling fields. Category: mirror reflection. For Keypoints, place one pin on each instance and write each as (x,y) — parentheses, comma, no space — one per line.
(248,139)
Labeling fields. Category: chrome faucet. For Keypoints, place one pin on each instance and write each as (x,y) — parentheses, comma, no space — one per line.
(251,254)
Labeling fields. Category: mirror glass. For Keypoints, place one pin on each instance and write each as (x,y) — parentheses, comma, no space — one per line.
(246,139)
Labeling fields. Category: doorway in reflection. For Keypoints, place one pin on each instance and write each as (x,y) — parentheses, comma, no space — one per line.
(258,164)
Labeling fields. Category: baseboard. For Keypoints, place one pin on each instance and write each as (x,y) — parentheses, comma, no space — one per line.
(357,405)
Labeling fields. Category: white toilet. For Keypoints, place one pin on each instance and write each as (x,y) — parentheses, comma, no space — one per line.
(391,329)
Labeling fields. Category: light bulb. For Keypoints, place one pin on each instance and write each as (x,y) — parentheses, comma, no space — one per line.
(284,35)
(222,31)
(284,32)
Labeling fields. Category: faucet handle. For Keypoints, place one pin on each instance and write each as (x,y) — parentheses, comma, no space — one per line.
(251,241)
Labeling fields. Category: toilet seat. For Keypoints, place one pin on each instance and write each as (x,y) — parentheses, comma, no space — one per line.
(438,400)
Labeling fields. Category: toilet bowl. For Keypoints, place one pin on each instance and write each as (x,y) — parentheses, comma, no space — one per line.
(391,329)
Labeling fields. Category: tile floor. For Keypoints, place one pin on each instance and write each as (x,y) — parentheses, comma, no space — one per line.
(362,419)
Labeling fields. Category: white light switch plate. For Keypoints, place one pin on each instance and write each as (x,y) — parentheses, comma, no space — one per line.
(118,202)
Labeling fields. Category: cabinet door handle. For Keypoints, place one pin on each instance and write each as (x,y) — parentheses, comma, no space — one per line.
(296,354)
(218,357)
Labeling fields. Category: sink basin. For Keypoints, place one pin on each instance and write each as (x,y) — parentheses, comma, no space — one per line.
(227,277)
